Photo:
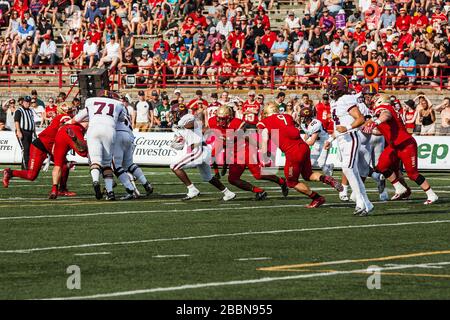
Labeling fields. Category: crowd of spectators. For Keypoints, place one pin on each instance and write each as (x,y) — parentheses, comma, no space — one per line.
(233,43)
(152,109)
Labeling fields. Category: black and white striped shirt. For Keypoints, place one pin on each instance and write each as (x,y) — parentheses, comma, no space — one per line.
(25,118)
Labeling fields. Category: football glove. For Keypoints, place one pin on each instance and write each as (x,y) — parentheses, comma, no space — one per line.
(177,143)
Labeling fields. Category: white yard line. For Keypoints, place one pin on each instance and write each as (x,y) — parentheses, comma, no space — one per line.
(224,235)
(92,253)
(172,256)
(254,259)
(234,283)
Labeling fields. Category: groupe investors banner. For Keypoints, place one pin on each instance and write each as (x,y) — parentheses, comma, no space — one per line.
(153,148)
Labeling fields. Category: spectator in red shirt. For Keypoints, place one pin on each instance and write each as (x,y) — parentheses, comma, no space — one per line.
(228,68)
(403,20)
(438,18)
(237,43)
(355,85)
(188,25)
(396,51)
(75,55)
(420,21)
(405,38)
(358,35)
(114,21)
(51,111)
(198,18)
(197,102)
(323,113)
(174,62)
(262,15)
(160,40)
(268,38)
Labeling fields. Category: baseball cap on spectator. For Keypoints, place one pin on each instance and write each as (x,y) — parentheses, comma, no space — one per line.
(177,91)
(46,36)
(249,52)
(239,9)
(336,36)
(327,47)
(261,8)
(243,18)
(251,93)
(325,10)
(291,13)
(266,28)
(201,41)
(310,49)
(212,30)
(387,7)
(155,93)
(141,93)
(307,13)
(300,34)
(183,48)
(144,53)
(354,78)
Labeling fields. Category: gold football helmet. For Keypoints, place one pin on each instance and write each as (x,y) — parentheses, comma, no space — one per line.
(380,99)
(224,115)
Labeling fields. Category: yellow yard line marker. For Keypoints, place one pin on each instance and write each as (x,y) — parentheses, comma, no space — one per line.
(328,263)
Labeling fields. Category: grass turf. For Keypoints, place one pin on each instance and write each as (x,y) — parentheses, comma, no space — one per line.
(160,244)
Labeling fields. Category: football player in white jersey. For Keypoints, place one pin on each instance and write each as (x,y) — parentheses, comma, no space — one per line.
(189,137)
(315,136)
(103,113)
(347,120)
(123,158)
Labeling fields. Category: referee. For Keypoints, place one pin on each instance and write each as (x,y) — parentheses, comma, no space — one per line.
(24,122)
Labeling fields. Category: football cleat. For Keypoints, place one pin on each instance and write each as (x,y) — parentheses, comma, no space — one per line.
(431,200)
(97,190)
(110,196)
(384,196)
(7,174)
(131,195)
(381,185)
(229,196)
(333,183)
(284,189)
(190,195)
(316,203)
(366,211)
(403,196)
(343,196)
(260,196)
(66,193)
(358,211)
(54,193)
(148,188)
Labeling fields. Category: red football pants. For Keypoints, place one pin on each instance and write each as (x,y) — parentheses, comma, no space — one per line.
(298,161)
(35,162)
(406,152)
(63,143)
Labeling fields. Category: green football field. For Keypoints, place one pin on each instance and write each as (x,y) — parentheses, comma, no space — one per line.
(164,248)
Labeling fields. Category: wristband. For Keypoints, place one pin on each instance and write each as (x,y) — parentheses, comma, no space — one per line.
(377,122)
(349,127)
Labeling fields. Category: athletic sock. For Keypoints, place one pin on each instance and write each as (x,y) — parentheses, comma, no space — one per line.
(399,188)
(225,191)
(140,176)
(345,186)
(95,174)
(125,179)
(257,190)
(109,184)
(430,193)
(314,195)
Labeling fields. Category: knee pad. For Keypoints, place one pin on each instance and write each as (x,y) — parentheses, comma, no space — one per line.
(132,168)
(419,179)
(119,171)
(107,173)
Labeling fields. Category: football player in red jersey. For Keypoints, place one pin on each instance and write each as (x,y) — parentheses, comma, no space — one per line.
(250,110)
(40,148)
(225,122)
(400,146)
(69,137)
(298,160)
